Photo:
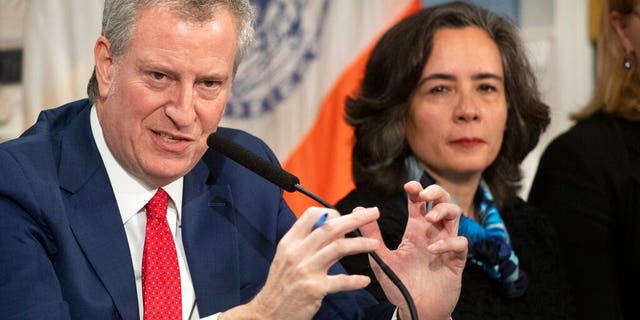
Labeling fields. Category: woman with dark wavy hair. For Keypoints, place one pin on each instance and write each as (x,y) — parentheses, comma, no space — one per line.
(449,97)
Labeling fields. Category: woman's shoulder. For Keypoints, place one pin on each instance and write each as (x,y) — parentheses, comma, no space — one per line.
(535,240)
(598,121)
(584,150)
(526,222)
(479,299)
(535,243)
(598,130)
(533,236)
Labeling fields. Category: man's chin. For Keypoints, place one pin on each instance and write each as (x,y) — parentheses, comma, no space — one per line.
(163,177)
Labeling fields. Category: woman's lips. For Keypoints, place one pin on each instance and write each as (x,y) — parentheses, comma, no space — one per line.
(467,142)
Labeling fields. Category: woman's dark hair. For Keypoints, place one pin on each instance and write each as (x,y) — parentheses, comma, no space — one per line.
(380,111)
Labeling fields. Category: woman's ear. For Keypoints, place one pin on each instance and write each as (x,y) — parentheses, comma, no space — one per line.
(619,24)
(104,65)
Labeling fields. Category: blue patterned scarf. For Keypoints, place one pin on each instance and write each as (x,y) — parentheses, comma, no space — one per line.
(489,242)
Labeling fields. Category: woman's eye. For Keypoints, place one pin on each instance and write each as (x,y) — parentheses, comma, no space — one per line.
(438,89)
(487,88)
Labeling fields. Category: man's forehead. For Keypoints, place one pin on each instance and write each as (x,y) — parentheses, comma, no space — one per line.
(191,11)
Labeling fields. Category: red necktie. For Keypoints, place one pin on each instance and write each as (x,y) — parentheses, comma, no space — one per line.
(160,272)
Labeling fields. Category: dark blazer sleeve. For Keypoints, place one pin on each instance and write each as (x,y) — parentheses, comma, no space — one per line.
(29,287)
(573,187)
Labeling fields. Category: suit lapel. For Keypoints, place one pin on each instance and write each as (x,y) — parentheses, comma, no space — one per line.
(93,215)
(210,242)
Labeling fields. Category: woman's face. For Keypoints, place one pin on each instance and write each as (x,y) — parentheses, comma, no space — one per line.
(458,111)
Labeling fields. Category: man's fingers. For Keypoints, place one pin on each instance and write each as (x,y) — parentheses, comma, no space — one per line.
(421,200)
(457,245)
(433,193)
(335,250)
(443,212)
(337,227)
(344,282)
(413,189)
(371,230)
(304,225)
(310,234)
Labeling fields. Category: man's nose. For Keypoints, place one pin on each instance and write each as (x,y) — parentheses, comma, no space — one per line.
(183,110)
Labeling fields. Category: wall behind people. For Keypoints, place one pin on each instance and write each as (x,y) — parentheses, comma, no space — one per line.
(57,37)
(557,35)
(292,95)
(11,42)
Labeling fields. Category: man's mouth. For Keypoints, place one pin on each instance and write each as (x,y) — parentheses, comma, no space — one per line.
(167,137)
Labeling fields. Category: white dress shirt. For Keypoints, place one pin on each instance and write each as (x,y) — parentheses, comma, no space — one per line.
(131,196)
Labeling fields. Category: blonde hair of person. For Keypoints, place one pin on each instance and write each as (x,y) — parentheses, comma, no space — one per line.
(617,90)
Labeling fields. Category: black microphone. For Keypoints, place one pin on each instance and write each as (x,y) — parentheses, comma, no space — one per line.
(263,168)
(249,160)
(291,183)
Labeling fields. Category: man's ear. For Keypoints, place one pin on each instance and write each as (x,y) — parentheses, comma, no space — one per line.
(104,65)
(619,25)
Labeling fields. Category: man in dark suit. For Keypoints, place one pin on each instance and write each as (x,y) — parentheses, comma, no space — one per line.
(79,192)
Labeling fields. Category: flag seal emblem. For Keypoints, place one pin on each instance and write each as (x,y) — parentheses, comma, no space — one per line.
(286,43)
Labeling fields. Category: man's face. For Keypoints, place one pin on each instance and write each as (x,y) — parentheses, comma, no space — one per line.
(166,93)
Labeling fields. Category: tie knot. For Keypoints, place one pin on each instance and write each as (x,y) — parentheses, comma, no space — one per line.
(157,206)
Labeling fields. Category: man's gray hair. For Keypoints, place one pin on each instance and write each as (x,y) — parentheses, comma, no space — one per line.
(118,21)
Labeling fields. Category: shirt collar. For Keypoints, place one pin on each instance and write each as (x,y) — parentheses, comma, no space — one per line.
(131,193)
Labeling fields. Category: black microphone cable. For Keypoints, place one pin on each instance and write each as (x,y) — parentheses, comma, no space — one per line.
(291,183)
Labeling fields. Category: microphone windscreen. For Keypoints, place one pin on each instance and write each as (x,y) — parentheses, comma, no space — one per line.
(249,160)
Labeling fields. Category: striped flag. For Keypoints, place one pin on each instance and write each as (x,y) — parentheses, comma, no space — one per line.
(290,89)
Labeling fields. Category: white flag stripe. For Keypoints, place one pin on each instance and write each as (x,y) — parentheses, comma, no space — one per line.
(349,27)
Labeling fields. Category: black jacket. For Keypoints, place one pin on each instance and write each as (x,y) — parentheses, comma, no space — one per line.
(588,182)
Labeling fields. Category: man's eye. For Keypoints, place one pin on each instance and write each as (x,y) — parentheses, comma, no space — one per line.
(158,75)
(209,83)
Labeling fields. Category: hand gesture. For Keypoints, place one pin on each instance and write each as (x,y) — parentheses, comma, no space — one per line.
(431,257)
(298,279)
